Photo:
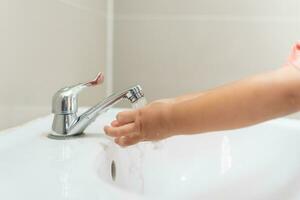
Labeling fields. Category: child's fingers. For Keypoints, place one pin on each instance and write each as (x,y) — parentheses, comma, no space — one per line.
(128,140)
(115,123)
(126,117)
(120,131)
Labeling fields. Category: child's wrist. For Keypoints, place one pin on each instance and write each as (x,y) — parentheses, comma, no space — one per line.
(168,118)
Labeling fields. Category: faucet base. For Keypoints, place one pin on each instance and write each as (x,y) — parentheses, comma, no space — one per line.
(64,137)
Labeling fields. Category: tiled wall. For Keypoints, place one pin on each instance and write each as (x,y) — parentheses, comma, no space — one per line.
(173,47)
(45,45)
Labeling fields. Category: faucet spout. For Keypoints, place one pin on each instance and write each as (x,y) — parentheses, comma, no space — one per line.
(133,94)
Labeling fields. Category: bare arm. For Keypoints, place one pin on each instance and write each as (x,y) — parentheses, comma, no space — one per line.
(249,101)
(236,105)
(239,104)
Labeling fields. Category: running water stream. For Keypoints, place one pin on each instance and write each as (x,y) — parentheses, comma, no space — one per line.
(140,149)
(138,165)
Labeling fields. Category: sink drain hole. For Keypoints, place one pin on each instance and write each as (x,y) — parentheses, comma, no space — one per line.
(113,170)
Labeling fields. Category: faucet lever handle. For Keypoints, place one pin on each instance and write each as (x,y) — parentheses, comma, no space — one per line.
(99,79)
(65,100)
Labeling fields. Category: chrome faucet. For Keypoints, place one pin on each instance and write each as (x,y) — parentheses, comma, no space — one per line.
(66,122)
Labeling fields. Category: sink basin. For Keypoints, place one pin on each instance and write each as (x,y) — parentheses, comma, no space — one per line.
(261,162)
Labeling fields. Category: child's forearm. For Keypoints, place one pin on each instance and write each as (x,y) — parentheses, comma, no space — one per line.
(236,105)
(187,97)
(240,104)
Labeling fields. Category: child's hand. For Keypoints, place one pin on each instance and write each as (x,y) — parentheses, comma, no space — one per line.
(150,123)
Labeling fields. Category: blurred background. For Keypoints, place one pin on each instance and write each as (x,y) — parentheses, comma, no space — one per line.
(169,47)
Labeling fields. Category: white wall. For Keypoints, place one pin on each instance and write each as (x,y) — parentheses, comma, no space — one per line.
(45,45)
(170,47)
(173,47)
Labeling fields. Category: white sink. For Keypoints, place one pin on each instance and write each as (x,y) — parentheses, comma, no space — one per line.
(261,162)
